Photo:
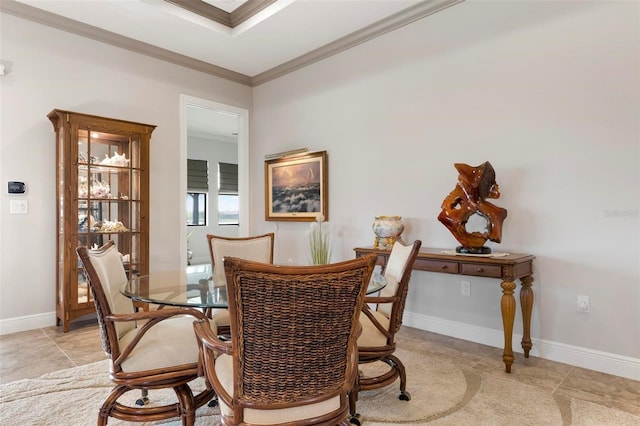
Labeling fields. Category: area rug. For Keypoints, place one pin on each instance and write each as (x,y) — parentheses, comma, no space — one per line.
(442,394)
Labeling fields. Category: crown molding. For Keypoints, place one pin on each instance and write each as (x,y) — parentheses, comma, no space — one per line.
(40,16)
(205,10)
(231,20)
(248,10)
(398,20)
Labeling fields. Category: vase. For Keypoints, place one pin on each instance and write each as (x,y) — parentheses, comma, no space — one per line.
(387,230)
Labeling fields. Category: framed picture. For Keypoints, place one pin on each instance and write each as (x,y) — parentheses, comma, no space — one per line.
(296,188)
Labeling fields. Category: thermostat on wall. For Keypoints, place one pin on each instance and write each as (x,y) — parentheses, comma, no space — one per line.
(17,187)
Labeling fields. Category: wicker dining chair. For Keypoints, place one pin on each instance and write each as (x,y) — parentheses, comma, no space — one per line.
(380,321)
(292,357)
(147,350)
(258,248)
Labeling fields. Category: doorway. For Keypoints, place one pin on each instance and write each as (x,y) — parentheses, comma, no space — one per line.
(220,127)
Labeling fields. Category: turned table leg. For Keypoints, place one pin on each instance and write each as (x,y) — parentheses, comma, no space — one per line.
(526,303)
(508,308)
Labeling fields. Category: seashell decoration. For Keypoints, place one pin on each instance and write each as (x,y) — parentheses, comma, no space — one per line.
(115,160)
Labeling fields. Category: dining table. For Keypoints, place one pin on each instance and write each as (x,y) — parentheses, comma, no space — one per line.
(193,288)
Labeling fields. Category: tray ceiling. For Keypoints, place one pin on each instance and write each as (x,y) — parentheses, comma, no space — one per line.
(245,41)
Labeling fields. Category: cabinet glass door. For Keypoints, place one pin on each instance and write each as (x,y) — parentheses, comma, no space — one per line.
(108,197)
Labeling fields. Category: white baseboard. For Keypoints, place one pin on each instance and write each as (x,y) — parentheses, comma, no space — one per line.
(29,322)
(604,362)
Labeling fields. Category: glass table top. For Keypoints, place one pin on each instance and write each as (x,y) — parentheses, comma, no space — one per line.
(193,288)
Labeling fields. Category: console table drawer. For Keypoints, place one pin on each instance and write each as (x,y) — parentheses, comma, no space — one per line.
(437,266)
(481,270)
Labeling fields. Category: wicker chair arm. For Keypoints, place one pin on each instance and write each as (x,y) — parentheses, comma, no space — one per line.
(358,330)
(207,357)
(380,299)
(153,318)
(369,313)
(352,371)
(209,338)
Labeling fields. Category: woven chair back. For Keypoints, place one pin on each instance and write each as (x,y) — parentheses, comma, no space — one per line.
(294,329)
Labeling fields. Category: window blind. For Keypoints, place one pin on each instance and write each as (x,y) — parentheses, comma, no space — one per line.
(227,179)
(197,175)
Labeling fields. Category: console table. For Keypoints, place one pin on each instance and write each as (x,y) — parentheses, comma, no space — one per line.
(507,268)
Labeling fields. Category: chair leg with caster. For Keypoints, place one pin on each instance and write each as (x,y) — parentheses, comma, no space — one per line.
(144,398)
(404,396)
(354,418)
(214,401)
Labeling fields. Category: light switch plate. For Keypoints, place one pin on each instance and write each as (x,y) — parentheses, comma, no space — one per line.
(18,206)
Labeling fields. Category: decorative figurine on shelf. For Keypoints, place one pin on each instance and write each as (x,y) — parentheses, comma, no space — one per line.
(468,200)
(387,230)
(115,160)
(113,226)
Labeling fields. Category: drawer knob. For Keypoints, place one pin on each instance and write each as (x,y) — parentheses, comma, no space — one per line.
(444,267)
(479,269)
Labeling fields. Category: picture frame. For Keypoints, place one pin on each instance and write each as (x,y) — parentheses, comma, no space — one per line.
(296,188)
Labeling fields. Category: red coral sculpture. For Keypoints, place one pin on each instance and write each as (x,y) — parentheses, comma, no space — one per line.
(475,185)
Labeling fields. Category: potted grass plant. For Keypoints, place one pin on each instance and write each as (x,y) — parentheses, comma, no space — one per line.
(319,241)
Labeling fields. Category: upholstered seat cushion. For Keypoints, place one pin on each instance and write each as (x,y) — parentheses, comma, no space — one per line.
(221,317)
(371,336)
(169,343)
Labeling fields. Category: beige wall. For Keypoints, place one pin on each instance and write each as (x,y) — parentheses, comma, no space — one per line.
(51,69)
(548,93)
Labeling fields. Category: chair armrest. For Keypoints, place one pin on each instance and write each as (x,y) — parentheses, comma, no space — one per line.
(380,299)
(207,336)
(366,310)
(352,371)
(209,346)
(358,329)
(153,318)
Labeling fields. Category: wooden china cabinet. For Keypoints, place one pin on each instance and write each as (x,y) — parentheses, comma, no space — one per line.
(102,193)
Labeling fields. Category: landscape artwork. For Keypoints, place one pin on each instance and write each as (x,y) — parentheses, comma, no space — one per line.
(296,187)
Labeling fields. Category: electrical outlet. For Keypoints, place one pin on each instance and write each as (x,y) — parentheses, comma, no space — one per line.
(583,303)
(465,288)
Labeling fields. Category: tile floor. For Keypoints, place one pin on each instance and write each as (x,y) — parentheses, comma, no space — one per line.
(32,353)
